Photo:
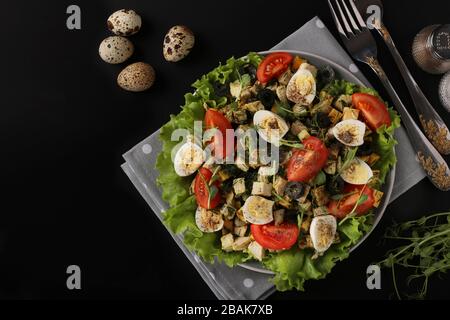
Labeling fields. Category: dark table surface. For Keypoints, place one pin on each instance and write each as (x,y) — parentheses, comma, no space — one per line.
(65,124)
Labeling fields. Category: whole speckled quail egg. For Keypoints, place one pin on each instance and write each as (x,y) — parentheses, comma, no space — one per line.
(178,42)
(136,77)
(124,22)
(115,49)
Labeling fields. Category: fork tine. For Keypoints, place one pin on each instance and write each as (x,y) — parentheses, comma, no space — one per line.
(352,21)
(358,15)
(336,20)
(344,19)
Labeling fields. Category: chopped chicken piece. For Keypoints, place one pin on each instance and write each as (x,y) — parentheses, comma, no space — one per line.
(350,114)
(227,242)
(278,216)
(256,250)
(239,186)
(241,243)
(262,189)
(279,185)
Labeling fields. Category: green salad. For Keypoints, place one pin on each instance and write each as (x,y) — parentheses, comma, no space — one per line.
(330,146)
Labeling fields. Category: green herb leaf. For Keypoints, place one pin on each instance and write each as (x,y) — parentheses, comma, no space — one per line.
(362,199)
(291,144)
(214,176)
(245,80)
(276,195)
(337,197)
(320,179)
(211,194)
(349,157)
(283,110)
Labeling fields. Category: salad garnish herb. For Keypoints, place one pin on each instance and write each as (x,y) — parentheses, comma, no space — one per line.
(361,199)
(349,157)
(292,144)
(342,196)
(280,198)
(212,189)
(426,251)
(214,177)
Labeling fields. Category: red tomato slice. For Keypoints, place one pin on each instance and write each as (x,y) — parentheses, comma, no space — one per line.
(274,237)
(373,110)
(201,192)
(215,119)
(306,163)
(342,208)
(273,66)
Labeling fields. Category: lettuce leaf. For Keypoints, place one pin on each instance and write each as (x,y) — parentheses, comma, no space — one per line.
(340,87)
(385,143)
(222,74)
(294,267)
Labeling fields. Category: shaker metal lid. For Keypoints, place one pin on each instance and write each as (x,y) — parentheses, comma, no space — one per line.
(441,41)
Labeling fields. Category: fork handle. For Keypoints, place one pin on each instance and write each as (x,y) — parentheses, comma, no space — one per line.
(434,127)
(432,162)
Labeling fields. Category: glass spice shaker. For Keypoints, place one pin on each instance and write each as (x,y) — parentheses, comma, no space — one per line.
(444,91)
(431,49)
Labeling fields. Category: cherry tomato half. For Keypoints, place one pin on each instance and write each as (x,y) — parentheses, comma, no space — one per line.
(273,66)
(374,111)
(273,237)
(306,163)
(220,147)
(201,191)
(341,208)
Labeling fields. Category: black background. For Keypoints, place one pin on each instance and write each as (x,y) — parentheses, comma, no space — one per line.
(65,124)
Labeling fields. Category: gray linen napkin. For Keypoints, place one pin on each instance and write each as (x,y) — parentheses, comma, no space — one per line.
(239,283)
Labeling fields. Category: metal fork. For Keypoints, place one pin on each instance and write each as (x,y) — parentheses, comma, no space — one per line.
(362,46)
(432,124)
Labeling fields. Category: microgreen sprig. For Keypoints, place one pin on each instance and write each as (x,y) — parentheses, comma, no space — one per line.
(349,157)
(276,195)
(291,143)
(426,252)
(342,196)
(285,109)
(214,176)
(361,199)
(211,189)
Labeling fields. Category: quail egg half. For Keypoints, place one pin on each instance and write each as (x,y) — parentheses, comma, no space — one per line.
(258,210)
(301,88)
(358,172)
(188,159)
(208,220)
(350,132)
(322,231)
(270,126)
